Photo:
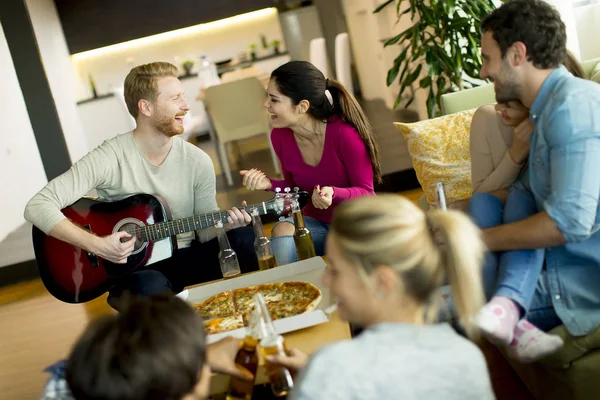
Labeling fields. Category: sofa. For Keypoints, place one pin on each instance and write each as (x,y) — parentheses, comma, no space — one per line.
(440,152)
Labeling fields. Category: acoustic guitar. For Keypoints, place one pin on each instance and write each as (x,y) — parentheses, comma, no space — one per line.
(74,275)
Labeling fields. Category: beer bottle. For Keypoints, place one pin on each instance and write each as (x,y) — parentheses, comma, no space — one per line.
(227,258)
(262,243)
(271,343)
(440,196)
(246,358)
(302,237)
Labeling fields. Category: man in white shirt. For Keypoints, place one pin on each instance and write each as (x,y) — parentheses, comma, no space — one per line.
(150,159)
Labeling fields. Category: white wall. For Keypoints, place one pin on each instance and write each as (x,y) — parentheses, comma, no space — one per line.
(588,30)
(218,40)
(21,170)
(60,72)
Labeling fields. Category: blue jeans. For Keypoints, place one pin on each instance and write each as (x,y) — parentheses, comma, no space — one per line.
(518,275)
(284,247)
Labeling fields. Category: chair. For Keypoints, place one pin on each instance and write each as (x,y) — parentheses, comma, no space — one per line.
(318,55)
(343,72)
(237,112)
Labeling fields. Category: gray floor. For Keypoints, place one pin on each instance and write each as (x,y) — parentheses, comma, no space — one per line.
(250,153)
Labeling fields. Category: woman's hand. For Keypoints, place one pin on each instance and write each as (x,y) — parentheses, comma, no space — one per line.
(519,148)
(295,360)
(322,197)
(255,179)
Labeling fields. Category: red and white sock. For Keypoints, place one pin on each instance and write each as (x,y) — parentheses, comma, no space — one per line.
(497,320)
(530,344)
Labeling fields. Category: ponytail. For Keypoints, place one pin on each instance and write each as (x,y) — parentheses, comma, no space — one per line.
(351,112)
(423,249)
(461,256)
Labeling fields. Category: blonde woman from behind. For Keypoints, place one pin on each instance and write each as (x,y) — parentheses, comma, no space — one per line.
(387,260)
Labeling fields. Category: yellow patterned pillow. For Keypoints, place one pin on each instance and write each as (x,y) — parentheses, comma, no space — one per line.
(439,149)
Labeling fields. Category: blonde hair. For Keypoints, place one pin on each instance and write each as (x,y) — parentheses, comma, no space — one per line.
(140,83)
(425,250)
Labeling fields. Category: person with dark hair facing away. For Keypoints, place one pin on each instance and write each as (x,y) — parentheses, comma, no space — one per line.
(523,47)
(325,145)
(153,350)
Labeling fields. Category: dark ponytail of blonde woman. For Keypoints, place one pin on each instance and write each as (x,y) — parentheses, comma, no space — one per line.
(300,80)
(426,250)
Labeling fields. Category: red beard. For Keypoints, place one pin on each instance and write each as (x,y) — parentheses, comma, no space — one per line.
(169,125)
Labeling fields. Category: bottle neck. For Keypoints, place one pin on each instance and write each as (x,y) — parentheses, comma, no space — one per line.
(259,229)
(222,237)
(298,219)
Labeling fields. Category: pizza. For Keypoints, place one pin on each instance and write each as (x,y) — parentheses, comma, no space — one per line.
(229,310)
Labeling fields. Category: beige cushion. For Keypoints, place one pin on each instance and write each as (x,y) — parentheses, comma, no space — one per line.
(439,149)
(595,75)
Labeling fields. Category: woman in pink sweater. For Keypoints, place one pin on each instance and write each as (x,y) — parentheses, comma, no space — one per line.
(325,146)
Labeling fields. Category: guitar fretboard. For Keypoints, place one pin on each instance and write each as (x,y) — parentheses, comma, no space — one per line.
(178,226)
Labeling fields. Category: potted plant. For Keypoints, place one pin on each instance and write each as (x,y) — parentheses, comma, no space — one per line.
(443,40)
(187,66)
(253,51)
(275,44)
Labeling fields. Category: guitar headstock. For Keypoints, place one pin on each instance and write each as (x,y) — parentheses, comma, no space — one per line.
(281,204)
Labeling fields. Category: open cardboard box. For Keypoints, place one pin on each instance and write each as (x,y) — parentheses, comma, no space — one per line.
(310,270)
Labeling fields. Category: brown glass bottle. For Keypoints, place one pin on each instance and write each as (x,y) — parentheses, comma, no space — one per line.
(246,358)
(302,237)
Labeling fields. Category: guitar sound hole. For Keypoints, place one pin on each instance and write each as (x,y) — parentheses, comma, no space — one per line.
(130,227)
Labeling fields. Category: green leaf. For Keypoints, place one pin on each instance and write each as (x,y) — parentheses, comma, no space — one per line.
(425,82)
(381,7)
(399,37)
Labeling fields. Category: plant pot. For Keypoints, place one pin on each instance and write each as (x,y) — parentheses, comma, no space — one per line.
(188,71)
(253,56)
(276,50)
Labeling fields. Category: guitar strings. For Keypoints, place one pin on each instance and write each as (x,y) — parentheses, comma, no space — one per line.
(145,232)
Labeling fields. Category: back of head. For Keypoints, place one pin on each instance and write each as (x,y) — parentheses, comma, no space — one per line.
(153,350)
(301,80)
(140,83)
(535,23)
(424,249)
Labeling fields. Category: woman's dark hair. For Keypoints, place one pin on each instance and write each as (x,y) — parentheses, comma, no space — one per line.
(300,80)
(153,350)
(535,23)
(573,66)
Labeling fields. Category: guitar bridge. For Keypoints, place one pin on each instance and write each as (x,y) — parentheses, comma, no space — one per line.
(92,258)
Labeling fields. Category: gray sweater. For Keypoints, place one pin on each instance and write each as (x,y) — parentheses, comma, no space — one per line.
(397,361)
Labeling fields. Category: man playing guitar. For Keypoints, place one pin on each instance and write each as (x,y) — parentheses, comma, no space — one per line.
(150,159)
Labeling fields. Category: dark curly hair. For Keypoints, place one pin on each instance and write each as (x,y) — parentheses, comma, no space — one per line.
(535,23)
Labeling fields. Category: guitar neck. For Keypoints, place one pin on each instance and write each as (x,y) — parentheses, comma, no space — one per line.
(190,224)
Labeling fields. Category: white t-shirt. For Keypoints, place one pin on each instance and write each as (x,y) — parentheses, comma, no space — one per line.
(397,361)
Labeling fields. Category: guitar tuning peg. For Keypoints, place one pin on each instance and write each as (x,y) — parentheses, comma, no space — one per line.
(296,189)
(277,190)
(287,190)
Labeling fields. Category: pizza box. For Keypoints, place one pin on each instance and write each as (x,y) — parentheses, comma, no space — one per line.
(310,271)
